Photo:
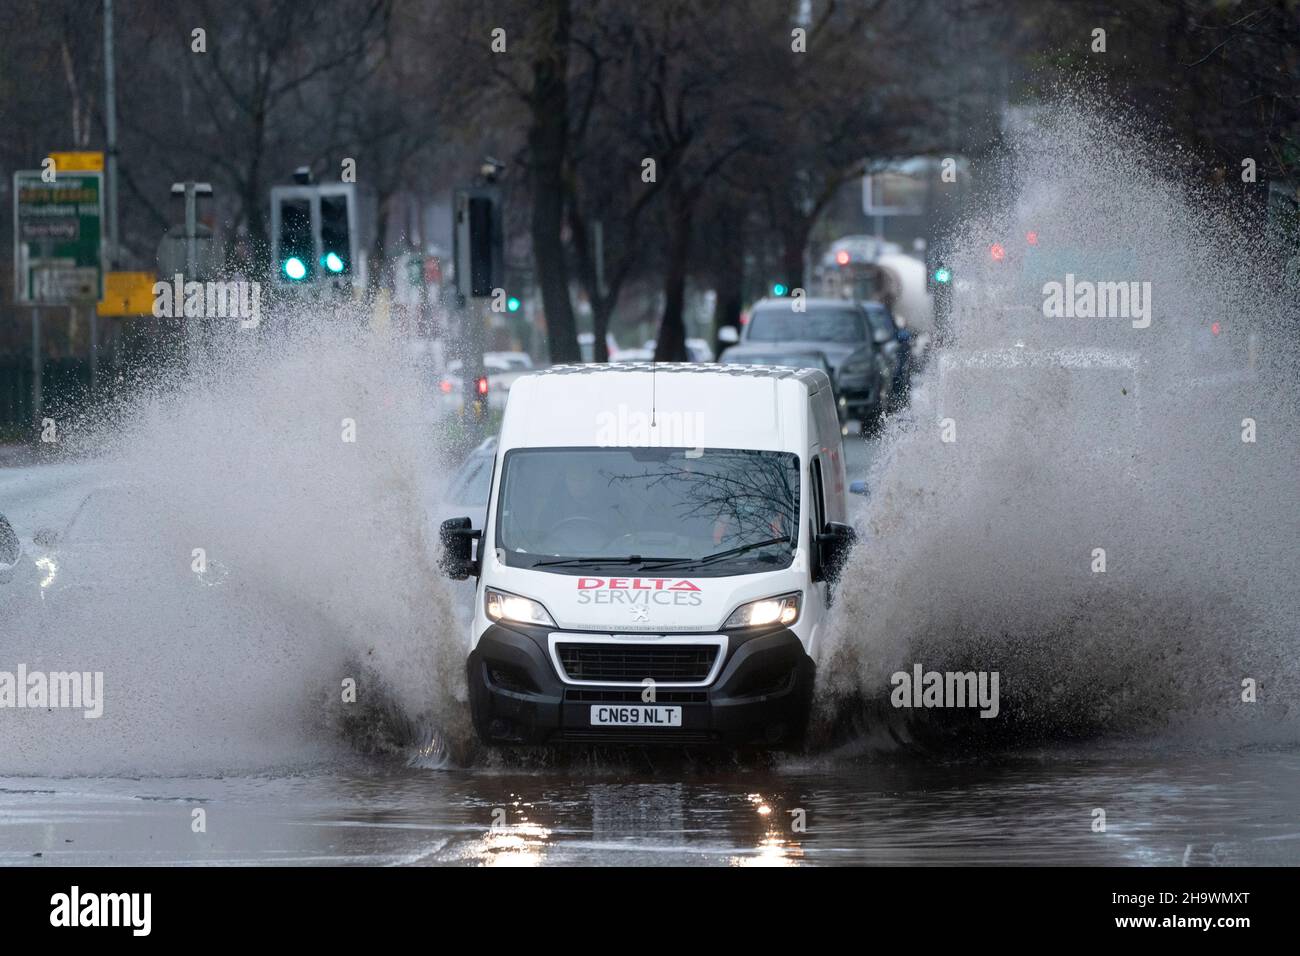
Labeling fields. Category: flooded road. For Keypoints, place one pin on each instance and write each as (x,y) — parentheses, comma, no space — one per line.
(1162,808)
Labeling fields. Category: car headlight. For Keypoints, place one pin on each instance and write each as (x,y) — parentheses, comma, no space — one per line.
(783,609)
(504,606)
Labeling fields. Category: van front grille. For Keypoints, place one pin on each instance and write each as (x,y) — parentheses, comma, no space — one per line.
(620,663)
(610,696)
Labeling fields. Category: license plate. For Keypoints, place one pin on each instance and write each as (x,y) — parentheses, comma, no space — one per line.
(634,715)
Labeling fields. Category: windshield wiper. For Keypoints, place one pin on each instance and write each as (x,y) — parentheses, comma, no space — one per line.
(732,552)
(729,553)
(578,562)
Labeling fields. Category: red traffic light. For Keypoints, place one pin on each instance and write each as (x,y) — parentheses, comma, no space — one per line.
(481,385)
(842,257)
(1031,238)
(998,252)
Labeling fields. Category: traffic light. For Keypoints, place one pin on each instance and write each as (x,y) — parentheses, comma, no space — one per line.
(478,240)
(296,246)
(779,289)
(335,235)
(513,304)
(942,275)
(314,235)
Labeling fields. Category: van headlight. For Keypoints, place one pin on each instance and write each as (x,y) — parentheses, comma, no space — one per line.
(504,606)
(783,609)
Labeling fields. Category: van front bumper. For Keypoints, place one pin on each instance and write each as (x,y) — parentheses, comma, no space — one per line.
(761,696)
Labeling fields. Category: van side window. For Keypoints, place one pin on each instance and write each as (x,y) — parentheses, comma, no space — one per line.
(816,516)
(819,498)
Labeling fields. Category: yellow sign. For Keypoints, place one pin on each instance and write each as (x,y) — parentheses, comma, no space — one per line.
(78,162)
(127,293)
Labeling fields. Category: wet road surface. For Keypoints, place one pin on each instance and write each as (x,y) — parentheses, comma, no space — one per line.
(1194,809)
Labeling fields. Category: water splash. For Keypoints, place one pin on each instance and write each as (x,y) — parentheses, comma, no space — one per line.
(1076,434)
(320,568)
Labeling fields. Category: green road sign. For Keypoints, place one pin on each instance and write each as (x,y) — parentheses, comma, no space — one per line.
(58,249)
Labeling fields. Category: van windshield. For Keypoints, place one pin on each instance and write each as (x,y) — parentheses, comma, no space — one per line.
(713,512)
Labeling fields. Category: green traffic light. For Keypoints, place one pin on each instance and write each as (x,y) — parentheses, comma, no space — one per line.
(513,303)
(942,276)
(779,289)
(332,262)
(295,268)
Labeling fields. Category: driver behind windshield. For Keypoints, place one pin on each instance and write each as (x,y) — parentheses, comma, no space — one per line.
(579,515)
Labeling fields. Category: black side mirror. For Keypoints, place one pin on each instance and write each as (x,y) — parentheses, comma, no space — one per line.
(457,536)
(833,546)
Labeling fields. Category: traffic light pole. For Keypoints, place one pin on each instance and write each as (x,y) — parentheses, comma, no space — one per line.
(190,192)
(191,253)
(473,372)
(38,367)
(93,317)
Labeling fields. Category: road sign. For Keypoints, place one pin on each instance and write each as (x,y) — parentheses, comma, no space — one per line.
(174,254)
(893,193)
(58,252)
(81,162)
(127,293)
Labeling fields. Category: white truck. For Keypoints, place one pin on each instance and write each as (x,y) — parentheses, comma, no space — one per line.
(658,557)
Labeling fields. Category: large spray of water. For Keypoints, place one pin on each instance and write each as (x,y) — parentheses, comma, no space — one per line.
(1036,443)
(276,496)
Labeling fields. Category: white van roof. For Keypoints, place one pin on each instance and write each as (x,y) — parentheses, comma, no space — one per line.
(694,404)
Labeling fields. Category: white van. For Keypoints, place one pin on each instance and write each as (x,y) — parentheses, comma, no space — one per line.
(658,557)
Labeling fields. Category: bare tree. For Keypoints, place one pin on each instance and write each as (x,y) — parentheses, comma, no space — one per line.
(249,99)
